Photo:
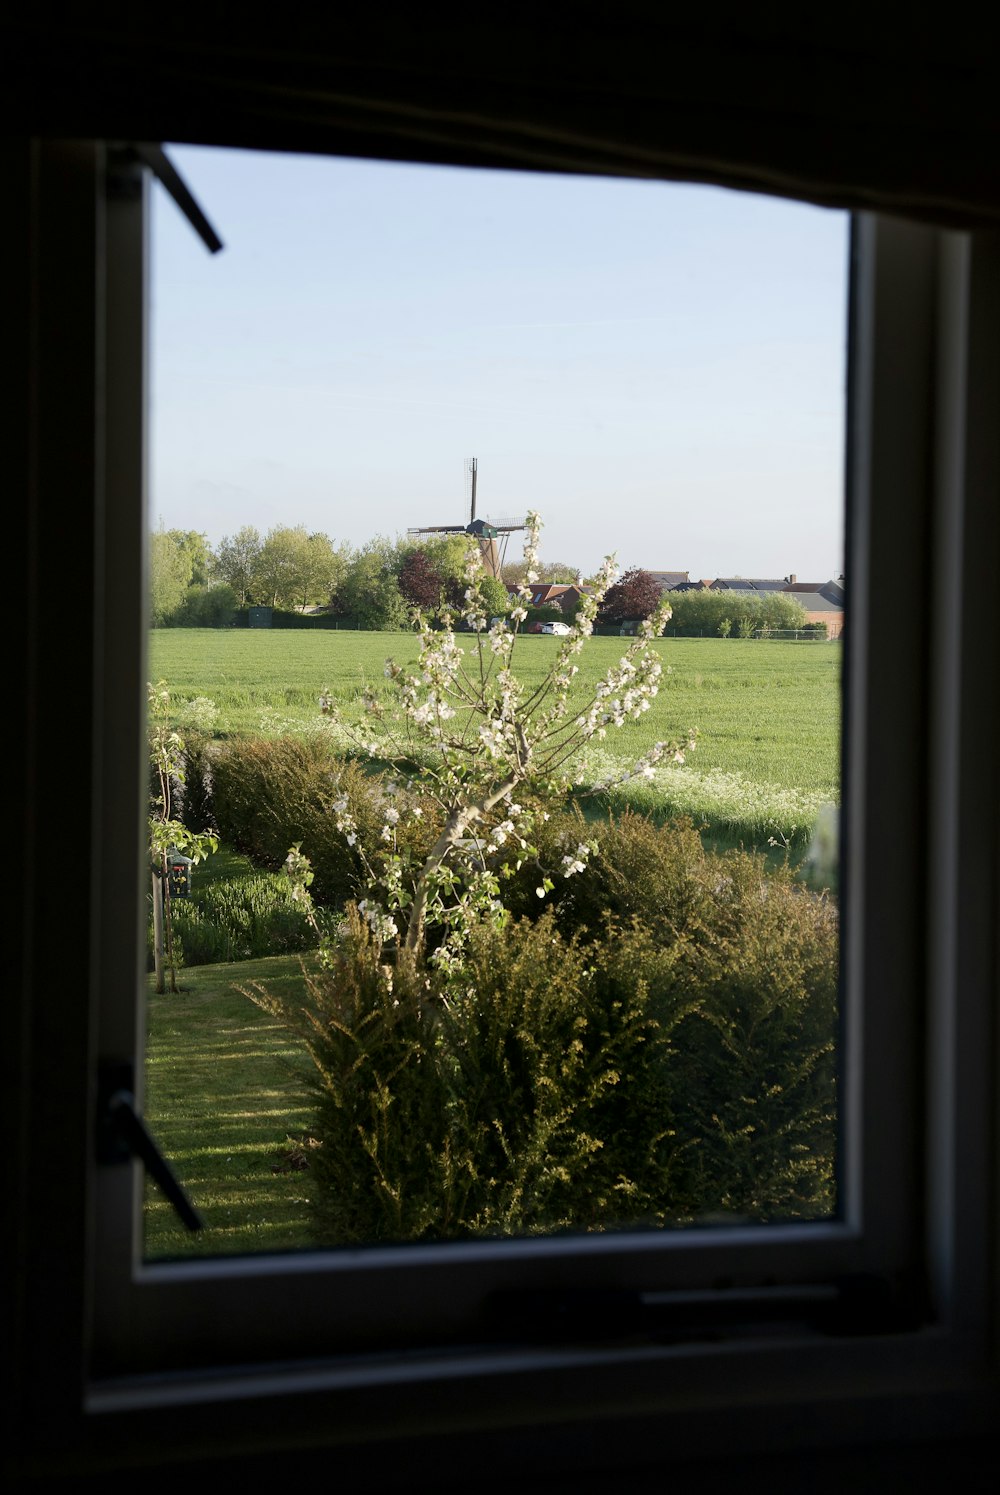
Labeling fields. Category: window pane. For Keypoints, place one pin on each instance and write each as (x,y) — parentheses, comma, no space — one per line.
(619,1006)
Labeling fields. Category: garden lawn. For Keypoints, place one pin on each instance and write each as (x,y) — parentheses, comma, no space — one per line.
(767,711)
(227,1100)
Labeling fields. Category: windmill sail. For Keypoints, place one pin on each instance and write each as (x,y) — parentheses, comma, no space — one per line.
(492,535)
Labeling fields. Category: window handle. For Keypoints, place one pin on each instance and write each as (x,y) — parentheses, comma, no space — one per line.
(166,173)
(123,1134)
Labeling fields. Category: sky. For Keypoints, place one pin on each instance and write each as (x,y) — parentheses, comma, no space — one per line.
(658,369)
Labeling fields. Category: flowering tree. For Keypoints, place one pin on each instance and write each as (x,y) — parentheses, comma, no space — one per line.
(491,753)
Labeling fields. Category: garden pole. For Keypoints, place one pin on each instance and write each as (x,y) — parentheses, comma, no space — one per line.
(158,930)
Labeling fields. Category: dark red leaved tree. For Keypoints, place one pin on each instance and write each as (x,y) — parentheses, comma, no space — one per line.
(420,581)
(635,595)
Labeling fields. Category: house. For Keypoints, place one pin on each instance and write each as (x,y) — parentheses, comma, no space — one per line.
(671,580)
(563,595)
(857,1355)
(569,596)
(748,584)
(823,602)
(547,593)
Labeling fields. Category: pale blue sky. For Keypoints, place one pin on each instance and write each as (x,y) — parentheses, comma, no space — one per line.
(658,369)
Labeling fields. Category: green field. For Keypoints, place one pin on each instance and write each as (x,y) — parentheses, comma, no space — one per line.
(767,712)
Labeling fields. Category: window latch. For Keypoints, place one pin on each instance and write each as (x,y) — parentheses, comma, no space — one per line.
(159,163)
(122,1134)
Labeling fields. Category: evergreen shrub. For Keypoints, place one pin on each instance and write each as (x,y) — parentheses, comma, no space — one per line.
(195,798)
(245,919)
(654,1046)
(268,793)
(754,959)
(534,1099)
(547,614)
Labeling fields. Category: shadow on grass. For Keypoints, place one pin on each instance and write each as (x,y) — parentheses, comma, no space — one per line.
(227,1098)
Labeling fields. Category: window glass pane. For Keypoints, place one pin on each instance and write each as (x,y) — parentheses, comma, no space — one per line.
(505,937)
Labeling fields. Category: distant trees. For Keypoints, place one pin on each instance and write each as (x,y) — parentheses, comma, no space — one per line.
(194,545)
(321,569)
(377,585)
(169,575)
(207,607)
(277,576)
(556,572)
(495,595)
(370,590)
(178,559)
(236,559)
(636,595)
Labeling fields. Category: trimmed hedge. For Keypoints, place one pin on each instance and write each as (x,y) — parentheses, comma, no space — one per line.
(267,793)
(288,618)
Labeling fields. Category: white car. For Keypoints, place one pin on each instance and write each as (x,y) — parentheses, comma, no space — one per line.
(555,628)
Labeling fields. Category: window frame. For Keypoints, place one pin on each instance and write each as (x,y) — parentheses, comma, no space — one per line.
(920,1165)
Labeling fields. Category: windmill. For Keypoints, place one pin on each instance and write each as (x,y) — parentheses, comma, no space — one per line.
(493,535)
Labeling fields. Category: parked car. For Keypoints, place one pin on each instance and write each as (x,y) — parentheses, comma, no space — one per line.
(556,628)
(535,628)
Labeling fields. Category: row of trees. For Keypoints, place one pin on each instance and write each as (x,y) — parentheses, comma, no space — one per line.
(191,584)
(376,584)
(379,583)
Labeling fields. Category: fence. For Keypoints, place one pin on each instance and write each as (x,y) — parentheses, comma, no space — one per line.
(782,635)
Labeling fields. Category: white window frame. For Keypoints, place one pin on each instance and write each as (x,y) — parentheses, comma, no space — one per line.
(388,1339)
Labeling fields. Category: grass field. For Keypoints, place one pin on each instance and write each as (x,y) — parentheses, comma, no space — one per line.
(767,712)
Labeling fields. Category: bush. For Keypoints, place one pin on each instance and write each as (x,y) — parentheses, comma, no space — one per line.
(548,614)
(207,607)
(195,798)
(657,1046)
(242,918)
(246,919)
(654,873)
(702,613)
(270,792)
(482,1112)
(750,958)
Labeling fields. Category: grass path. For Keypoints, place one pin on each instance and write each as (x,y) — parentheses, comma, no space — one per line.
(226,1098)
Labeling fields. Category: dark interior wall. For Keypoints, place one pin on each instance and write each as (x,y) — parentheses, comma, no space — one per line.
(850,107)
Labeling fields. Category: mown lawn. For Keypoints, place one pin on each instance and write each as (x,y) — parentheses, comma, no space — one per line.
(226,1098)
